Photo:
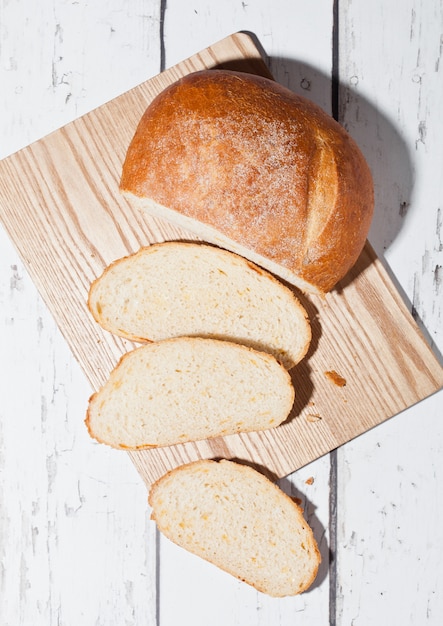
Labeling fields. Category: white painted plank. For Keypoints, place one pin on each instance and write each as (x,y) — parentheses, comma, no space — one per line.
(60,59)
(191,590)
(390,480)
(76,544)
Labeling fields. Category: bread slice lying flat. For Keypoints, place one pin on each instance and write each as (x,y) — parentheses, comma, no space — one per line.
(234,517)
(184,289)
(186,389)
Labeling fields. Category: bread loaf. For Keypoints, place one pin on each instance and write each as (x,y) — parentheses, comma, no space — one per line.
(186,389)
(184,289)
(234,517)
(245,163)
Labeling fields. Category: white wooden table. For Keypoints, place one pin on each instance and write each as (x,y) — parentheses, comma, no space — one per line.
(76,542)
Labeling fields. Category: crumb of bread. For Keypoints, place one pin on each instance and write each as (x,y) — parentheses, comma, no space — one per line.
(335,378)
(313,417)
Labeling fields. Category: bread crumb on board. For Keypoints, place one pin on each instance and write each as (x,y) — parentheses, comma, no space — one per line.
(313,417)
(310,480)
(335,378)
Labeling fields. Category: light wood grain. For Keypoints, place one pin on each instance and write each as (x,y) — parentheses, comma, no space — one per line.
(61,206)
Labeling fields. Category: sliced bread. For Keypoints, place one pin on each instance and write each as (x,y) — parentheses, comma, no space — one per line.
(234,517)
(186,389)
(189,289)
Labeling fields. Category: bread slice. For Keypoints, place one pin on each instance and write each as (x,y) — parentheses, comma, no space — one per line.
(247,164)
(233,516)
(189,289)
(186,389)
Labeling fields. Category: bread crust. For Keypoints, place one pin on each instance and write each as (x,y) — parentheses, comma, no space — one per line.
(260,165)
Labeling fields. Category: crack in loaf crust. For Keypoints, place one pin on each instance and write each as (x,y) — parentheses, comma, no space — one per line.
(259,164)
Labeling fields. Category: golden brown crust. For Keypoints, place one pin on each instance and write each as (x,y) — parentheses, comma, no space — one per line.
(259,164)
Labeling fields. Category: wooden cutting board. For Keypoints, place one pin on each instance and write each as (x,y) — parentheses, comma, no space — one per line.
(60,204)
